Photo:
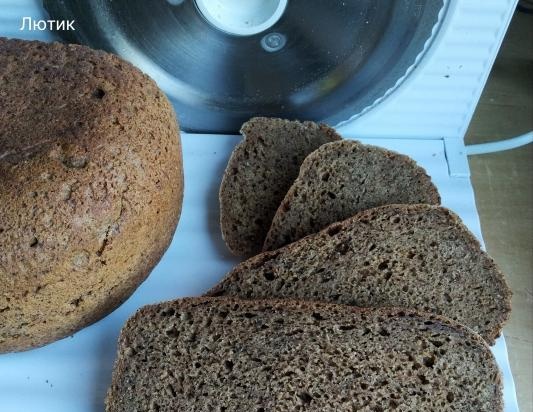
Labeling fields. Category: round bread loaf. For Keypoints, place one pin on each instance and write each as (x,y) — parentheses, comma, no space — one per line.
(91,186)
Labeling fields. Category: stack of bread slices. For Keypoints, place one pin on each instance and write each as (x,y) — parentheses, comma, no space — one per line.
(364,293)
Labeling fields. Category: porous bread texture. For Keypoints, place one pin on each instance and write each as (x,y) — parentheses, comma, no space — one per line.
(211,354)
(342,178)
(415,256)
(259,172)
(91,187)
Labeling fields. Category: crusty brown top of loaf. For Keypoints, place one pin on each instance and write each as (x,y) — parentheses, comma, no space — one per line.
(209,354)
(90,186)
(342,178)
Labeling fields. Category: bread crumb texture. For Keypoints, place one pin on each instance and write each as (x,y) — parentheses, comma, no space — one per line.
(212,354)
(416,256)
(90,187)
(260,171)
(342,178)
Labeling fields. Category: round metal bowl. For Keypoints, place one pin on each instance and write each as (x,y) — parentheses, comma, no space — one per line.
(319,60)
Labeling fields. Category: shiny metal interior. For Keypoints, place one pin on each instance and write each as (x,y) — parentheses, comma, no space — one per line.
(322,60)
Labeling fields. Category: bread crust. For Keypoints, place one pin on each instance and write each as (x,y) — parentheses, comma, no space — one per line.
(91,186)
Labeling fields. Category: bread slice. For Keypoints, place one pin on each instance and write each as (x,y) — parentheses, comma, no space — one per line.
(91,185)
(260,171)
(416,256)
(229,355)
(342,178)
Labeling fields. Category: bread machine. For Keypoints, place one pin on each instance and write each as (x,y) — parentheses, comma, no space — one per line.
(402,75)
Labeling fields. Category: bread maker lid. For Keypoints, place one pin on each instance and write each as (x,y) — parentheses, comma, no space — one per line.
(224,61)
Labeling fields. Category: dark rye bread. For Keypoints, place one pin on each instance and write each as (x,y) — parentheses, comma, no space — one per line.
(257,356)
(90,187)
(342,178)
(415,256)
(260,171)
